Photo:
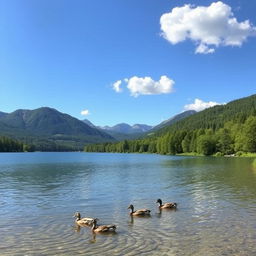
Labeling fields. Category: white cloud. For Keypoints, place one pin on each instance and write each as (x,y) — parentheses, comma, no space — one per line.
(116,86)
(147,86)
(204,49)
(207,26)
(85,112)
(200,105)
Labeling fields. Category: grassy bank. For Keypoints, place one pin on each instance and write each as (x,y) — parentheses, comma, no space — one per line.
(238,154)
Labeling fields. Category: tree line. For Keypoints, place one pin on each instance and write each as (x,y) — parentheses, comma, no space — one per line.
(232,137)
(11,145)
(8,144)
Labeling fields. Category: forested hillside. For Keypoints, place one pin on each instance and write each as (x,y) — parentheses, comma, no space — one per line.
(173,120)
(49,129)
(10,145)
(221,130)
(216,117)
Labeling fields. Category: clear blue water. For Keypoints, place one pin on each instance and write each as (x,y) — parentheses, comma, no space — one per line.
(40,192)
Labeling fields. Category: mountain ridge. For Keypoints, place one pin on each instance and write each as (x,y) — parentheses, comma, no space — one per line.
(122,131)
(50,125)
(128,129)
(174,119)
(222,130)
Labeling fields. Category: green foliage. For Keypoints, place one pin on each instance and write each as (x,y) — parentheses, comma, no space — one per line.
(219,154)
(246,154)
(174,119)
(216,117)
(206,145)
(225,143)
(250,134)
(10,145)
(221,130)
(28,148)
(239,153)
(49,130)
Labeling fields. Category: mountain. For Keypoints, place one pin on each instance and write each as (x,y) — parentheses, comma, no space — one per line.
(141,128)
(86,121)
(2,114)
(47,125)
(121,131)
(222,130)
(174,119)
(125,131)
(215,117)
(128,129)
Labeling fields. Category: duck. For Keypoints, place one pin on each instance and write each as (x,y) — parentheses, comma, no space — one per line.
(141,212)
(103,228)
(83,221)
(166,205)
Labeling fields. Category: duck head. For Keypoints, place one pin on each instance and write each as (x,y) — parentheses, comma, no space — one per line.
(159,201)
(77,215)
(131,207)
(94,223)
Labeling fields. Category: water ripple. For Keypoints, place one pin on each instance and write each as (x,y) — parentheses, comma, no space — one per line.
(216,205)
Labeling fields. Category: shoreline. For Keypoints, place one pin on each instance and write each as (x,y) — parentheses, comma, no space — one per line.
(253,155)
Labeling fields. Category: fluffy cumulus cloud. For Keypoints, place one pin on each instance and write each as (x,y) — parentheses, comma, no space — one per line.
(208,26)
(200,105)
(117,86)
(146,85)
(85,112)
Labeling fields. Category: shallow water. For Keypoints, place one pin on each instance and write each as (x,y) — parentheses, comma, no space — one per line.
(39,193)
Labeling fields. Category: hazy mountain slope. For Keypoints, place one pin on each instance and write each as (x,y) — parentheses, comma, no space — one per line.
(174,119)
(2,114)
(86,121)
(127,129)
(49,124)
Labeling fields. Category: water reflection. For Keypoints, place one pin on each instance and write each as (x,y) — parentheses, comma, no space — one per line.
(216,204)
(254,166)
(77,228)
(131,222)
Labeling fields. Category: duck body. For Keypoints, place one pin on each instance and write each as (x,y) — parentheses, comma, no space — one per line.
(103,228)
(141,212)
(87,221)
(166,205)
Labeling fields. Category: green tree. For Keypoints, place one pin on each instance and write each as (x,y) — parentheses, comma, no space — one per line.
(206,145)
(224,141)
(250,134)
(186,142)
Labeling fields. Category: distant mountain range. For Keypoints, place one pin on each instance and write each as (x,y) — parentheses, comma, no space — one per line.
(125,131)
(128,129)
(122,131)
(49,129)
(47,126)
(121,128)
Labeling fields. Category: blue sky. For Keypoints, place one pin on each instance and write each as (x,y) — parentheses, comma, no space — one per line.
(68,54)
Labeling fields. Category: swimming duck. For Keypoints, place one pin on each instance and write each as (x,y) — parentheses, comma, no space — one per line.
(83,221)
(166,205)
(141,212)
(103,228)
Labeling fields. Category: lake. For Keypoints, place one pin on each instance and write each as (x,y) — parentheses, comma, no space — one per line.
(40,192)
